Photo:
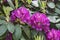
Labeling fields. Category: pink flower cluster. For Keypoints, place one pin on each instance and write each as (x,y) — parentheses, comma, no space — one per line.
(21,13)
(53,34)
(38,21)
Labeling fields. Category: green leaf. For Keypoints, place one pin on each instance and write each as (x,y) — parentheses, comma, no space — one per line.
(4,9)
(23,38)
(39,2)
(58,26)
(2,17)
(27,31)
(33,33)
(2,21)
(51,5)
(7,10)
(29,1)
(11,3)
(58,5)
(10,27)
(17,33)
(58,0)
(16,3)
(57,10)
(3,29)
(58,20)
(52,19)
(40,36)
(3,36)
(43,4)
(35,3)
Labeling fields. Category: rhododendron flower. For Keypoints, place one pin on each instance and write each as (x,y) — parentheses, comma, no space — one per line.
(9,36)
(21,13)
(39,21)
(53,35)
(13,16)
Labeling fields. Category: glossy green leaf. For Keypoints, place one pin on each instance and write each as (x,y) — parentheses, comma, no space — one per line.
(58,5)
(58,0)
(2,17)
(2,22)
(17,33)
(35,3)
(58,20)
(3,29)
(2,37)
(4,9)
(27,31)
(16,3)
(29,1)
(39,2)
(22,38)
(7,10)
(10,27)
(51,4)
(58,26)
(40,36)
(11,4)
(53,19)
(33,33)
(43,4)
(57,10)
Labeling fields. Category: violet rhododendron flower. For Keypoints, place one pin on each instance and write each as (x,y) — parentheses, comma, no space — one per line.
(9,36)
(39,21)
(21,13)
(53,35)
(13,16)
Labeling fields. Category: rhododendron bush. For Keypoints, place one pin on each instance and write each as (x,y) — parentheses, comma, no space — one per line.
(29,19)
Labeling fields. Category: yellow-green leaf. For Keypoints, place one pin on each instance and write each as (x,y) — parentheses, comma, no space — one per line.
(29,1)
(43,4)
(16,3)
